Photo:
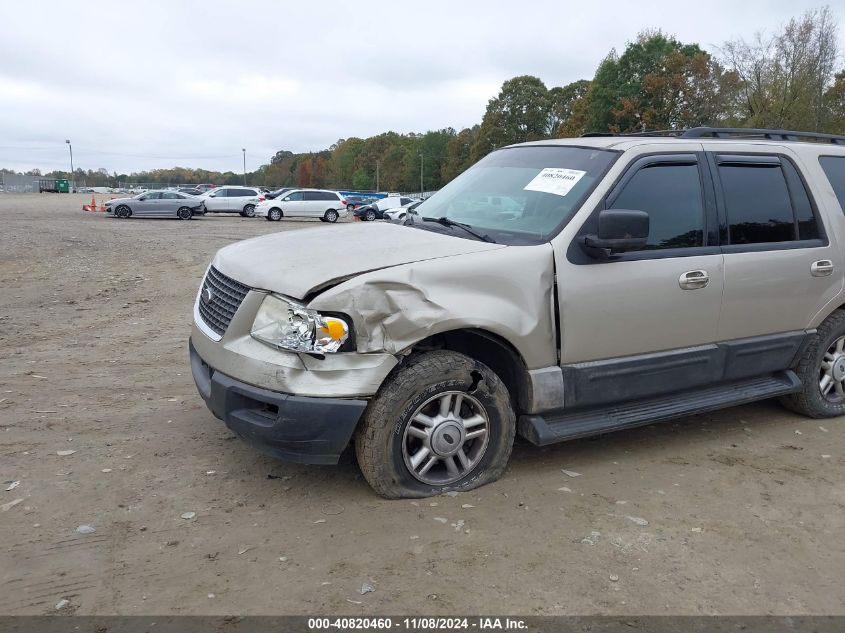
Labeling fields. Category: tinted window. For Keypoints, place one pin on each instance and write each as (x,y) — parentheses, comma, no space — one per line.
(241,193)
(221,193)
(808,228)
(834,169)
(320,195)
(294,197)
(171,196)
(757,202)
(152,196)
(671,195)
(404,201)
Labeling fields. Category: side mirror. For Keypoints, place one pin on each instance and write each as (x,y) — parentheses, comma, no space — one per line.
(619,230)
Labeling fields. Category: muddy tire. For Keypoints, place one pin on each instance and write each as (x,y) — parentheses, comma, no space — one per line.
(822,372)
(442,421)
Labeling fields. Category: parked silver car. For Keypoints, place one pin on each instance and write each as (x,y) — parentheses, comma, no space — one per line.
(554,290)
(155,204)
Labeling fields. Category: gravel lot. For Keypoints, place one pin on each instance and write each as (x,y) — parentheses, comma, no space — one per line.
(737,512)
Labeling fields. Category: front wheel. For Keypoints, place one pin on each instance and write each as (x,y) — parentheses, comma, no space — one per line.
(330,216)
(822,372)
(370,216)
(184,213)
(249,211)
(350,207)
(442,421)
(122,212)
(274,214)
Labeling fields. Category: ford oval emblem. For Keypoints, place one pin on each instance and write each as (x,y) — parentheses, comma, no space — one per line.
(207,296)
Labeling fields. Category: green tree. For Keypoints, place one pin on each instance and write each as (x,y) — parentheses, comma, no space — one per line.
(784,78)
(519,113)
(657,83)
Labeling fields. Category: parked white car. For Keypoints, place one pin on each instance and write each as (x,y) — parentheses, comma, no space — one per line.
(231,199)
(398,214)
(326,205)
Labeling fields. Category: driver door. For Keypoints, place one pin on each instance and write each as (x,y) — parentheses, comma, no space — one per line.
(293,204)
(645,322)
(218,201)
(147,204)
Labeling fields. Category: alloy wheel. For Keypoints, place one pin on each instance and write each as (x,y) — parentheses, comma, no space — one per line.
(832,372)
(445,438)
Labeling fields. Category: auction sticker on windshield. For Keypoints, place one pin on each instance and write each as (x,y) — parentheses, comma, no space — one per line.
(556,180)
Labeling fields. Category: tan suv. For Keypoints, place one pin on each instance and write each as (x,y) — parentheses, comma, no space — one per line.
(629,279)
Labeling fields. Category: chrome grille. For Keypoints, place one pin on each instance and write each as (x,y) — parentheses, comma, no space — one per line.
(220,298)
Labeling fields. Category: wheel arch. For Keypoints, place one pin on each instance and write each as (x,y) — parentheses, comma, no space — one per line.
(493,350)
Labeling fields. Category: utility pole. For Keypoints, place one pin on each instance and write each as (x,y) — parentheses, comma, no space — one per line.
(421,174)
(377,165)
(70,147)
(244,151)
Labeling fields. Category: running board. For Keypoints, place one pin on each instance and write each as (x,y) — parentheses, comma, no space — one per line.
(558,427)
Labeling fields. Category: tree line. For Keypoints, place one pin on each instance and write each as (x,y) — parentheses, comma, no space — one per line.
(788,79)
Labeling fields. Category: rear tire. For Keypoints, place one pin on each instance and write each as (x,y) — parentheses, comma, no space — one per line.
(249,211)
(274,214)
(370,216)
(331,216)
(391,450)
(184,213)
(822,372)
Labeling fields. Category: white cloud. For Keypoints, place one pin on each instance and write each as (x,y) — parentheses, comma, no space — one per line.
(191,83)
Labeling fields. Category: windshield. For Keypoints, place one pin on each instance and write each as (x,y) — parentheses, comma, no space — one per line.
(520,195)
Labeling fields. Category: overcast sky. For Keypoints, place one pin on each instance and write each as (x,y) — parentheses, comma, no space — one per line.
(191,83)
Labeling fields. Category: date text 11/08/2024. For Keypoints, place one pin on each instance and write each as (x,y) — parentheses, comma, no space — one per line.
(417,624)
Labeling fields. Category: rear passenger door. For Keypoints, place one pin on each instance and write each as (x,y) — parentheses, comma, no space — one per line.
(318,202)
(780,268)
(170,202)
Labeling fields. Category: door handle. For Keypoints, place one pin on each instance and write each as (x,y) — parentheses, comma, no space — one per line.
(821,268)
(694,279)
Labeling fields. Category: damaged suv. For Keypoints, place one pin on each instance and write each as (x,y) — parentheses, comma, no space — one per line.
(628,280)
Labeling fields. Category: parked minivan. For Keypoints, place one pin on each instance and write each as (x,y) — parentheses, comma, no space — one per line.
(232,200)
(326,205)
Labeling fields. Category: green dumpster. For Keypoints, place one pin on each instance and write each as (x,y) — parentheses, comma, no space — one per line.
(62,185)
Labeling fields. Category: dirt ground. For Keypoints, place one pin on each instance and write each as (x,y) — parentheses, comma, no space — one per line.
(736,512)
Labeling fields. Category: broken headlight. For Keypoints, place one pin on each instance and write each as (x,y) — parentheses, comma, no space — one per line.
(291,326)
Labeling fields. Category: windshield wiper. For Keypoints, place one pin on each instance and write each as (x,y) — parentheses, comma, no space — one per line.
(466,227)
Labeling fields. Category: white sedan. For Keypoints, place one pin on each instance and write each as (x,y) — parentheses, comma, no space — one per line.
(399,213)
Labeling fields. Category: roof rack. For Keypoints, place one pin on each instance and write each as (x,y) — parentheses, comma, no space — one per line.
(737,133)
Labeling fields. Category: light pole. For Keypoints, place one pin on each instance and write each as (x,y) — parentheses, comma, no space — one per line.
(70,147)
(244,151)
(421,174)
(377,165)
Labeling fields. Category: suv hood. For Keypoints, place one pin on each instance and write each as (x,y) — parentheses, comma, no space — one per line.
(298,263)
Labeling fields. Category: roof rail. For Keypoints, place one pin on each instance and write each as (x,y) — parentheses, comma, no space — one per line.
(737,133)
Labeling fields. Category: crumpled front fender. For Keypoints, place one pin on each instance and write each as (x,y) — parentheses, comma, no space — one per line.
(507,292)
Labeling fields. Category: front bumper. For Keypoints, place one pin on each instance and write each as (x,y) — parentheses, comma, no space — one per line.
(294,428)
